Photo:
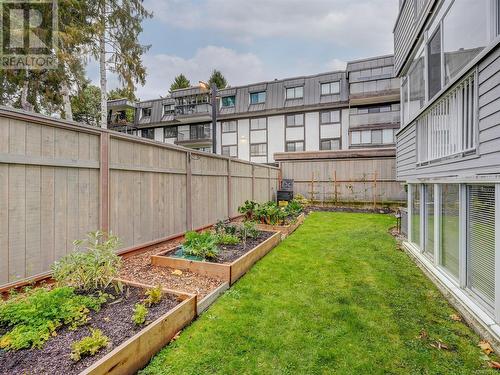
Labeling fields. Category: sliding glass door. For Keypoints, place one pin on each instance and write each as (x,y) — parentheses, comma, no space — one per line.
(415,214)
(450,227)
(428,245)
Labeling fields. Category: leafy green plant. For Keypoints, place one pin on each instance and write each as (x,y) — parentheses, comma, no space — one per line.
(225,227)
(154,295)
(248,230)
(227,239)
(140,313)
(92,265)
(203,245)
(89,346)
(294,208)
(248,209)
(35,315)
(270,213)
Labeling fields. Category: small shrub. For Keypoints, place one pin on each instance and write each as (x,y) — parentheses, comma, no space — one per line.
(228,239)
(248,230)
(248,209)
(270,213)
(300,199)
(154,295)
(34,316)
(203,245)
(140,313)
(90,345)
(92,265)
(225,227)
(294,208)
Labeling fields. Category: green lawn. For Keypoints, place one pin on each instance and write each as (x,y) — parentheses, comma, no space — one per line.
(335,297)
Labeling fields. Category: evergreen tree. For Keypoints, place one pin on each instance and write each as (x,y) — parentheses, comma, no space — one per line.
(180,82)
(218,79)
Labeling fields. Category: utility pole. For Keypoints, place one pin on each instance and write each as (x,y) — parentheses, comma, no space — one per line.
(213,91)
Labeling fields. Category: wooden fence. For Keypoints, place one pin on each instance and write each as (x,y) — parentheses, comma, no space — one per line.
(59,181)
(351,176)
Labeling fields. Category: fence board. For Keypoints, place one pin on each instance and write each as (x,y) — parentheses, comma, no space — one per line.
(50,172)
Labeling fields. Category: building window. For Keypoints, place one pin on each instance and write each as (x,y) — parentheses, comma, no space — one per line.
(148,133)
(295,92)
(170,132)
(146,112)
(450,226)
(202,131)
(258,123)
(231,151)
(330,117)
(434,63)
(465,34)
(481,241)
(168,108)
(373,137)
(330,144)
(295,120)
(228,101)
(429,220)
(415,214)
(229,126)
(330,88)
(294,146)
(258,149)
(257,97)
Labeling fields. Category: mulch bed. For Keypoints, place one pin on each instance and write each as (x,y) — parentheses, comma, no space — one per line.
(383,210)
(229,253)
(115,321)
(138,268)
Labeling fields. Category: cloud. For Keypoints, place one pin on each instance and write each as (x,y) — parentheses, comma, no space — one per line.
(336,64)
(361,23)
(238,68)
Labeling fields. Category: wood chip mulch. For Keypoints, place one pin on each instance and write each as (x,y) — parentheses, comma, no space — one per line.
(138,268)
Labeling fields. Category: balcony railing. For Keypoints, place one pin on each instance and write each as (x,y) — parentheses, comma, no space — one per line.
(448,127)
(192,109)
(391,117)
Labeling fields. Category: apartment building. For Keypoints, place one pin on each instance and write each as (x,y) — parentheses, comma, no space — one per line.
(355,108)
(448,147)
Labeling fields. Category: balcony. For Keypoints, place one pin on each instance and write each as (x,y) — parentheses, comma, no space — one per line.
(358,120)
(409,21)
(192,112)
(196,135)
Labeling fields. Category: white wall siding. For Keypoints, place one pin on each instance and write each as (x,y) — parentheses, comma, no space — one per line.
(312,131)
(295,133)
(244,139)
(258,136)
(159,134)
(344,118)
(218,132)
(275,132)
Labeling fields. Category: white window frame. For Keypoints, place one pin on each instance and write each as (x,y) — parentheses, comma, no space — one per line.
(330,86)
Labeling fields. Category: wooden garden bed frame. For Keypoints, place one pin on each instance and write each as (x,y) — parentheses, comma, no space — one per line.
(229,272)
(135,353)
(285,230)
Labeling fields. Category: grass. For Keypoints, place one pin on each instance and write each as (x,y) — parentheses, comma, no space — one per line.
(335,297)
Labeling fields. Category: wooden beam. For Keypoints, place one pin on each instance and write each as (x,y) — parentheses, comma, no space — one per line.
(189,200)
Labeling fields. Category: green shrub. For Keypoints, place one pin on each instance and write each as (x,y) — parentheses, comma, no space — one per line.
(248,209)
(227,239)
(35,315)
(93,264)
(225,227)
(248,230)
(154,295)
(294,208)
(140,313)
(270,213)
(203,245)
(90,345)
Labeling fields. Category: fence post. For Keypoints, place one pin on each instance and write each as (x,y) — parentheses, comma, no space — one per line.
(104,182)
(229,189)
(189,211)
(253,182)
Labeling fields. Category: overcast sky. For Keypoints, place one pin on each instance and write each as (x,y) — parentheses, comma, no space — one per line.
(252,41)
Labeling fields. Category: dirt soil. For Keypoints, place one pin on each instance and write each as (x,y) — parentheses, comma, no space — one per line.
(229,253)
(138,268)
(114,319)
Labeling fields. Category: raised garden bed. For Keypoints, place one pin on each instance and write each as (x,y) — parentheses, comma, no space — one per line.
(238,259)
(285,230)
(130,348)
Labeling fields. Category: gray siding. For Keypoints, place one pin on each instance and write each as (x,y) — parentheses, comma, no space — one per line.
(487,160)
